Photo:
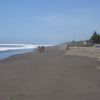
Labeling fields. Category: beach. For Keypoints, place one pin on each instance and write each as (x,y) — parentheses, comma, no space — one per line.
(52,75)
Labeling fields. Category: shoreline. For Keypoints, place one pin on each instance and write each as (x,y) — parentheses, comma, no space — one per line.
(72,52)
(7,54)
(35,51)
(15,56)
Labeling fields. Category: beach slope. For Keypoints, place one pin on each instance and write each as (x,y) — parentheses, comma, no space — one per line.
(49,76)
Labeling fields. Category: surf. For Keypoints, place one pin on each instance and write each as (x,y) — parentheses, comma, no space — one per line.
(6,47)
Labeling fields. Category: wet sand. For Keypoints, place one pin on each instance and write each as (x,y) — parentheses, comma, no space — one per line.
(49,76)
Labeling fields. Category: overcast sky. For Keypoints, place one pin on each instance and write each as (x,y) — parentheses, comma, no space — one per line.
(48,21)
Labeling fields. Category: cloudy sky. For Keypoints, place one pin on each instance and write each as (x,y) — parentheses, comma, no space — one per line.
(48,21)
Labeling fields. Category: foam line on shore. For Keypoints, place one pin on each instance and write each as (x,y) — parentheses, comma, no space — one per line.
(6,47)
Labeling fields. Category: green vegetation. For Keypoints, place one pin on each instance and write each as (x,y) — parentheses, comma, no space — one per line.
(95,38)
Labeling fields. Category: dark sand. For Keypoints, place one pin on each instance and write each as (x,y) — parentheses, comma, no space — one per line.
(49,76)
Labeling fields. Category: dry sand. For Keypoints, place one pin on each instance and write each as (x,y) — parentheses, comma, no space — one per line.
(84,51)
(49,76)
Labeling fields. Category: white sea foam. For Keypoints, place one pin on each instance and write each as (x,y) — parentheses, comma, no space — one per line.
(6,47)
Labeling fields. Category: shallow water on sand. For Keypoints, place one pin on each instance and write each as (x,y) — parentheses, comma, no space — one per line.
(7,54)
(7,50)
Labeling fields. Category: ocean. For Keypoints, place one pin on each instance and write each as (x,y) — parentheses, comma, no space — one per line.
(7,50)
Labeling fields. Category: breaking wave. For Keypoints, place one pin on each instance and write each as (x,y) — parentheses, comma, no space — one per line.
(7,50)
(6,47)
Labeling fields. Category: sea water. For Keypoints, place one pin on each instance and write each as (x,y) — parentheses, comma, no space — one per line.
(7,50)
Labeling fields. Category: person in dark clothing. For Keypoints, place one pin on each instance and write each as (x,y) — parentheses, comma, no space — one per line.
(67,48)
(41,49)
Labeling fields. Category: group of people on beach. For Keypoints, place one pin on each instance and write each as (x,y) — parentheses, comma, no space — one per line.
(41,49)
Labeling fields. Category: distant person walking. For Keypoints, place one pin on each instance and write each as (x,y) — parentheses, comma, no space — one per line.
(67,48)
(42,48)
